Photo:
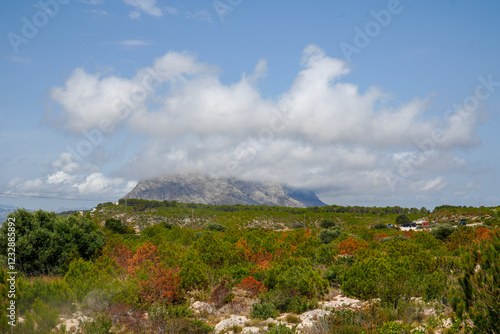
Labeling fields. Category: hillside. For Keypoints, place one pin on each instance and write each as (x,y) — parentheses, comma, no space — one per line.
(221,191)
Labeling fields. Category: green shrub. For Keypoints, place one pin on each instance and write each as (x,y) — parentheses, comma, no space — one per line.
(391,328)
(55,293)
(193,273)
(188,326)
(326,253)
(334,273)
(46,244)
(348,329)
(116,226)
(167,225)
(42,317)
(264,311)
(216,227)
(292,319)
(442,232)
(100,325)
(161,312)
(402,219)
(327,236)
(297,275)
(281,329)
(326,223)
(380,226)
(286,301)
(479,287)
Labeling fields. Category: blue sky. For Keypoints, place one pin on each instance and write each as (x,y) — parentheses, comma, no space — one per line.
(367,102)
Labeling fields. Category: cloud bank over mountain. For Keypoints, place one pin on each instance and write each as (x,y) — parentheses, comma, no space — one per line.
(322,133)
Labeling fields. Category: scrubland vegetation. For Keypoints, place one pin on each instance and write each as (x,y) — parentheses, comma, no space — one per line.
(142,276)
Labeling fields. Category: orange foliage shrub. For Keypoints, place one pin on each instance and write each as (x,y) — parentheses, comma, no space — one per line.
(122,256)
(163,284)
(482,234)
(350,245)
(251,285)
(246,253)
(379,236)
(408,234)
(146,252)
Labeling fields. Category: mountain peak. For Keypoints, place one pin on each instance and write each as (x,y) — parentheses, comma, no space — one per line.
(203,189)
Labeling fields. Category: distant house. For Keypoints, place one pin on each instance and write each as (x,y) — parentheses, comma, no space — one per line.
(422,222)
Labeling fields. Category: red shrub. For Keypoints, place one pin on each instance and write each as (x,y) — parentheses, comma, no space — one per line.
(252,285)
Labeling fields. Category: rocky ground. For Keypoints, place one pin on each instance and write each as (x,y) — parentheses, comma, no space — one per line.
(235,317)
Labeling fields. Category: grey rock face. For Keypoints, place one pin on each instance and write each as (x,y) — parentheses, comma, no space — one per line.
(219,191)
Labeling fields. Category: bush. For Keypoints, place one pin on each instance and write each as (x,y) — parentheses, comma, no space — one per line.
(442,232)
(42,317)
(327,223)
(54,292)
(348,329)
(46,244)
(264,311)
(334,273)
(296,277)
(281,329)
(101,325)
(402,219)
(327,236)
(160,312)
(479,287)
(288,301)
(167,225)
(379,226)
(216,227)
(192,273)
(292,319)
(220,295)
(116,226)
(391,328)
(251,285)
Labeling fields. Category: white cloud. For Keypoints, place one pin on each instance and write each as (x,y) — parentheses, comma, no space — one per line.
(134,15)
(201,15)
(68,179)
(93,2)
(99,12)
(321,133)
(171,10)
(20,59)
(429,185)
(135,42)
(146,6)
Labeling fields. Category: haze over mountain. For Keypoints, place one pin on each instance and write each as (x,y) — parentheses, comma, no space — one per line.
(208,190)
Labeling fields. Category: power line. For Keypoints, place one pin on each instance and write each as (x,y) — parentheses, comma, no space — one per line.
(58,198)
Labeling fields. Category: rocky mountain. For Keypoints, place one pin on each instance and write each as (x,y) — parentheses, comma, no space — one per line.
(218,191)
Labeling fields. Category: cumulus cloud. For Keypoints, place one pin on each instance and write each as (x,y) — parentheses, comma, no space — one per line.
(201,15)
(134,42)
(145,6)
(68,179)
(322,133)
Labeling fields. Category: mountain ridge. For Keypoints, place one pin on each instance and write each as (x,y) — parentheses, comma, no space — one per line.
(203,189)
